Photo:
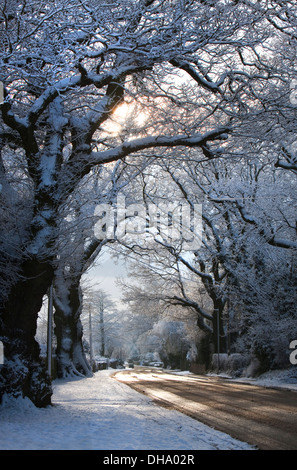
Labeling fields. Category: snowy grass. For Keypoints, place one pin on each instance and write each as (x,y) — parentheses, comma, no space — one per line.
(286,379)
(100,413)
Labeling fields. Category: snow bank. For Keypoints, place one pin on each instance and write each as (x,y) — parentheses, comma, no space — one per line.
(286,379)
(100,413)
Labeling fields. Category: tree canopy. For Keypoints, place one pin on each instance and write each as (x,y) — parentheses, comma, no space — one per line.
(213,79)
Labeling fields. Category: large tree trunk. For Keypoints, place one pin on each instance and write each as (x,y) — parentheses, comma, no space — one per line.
(71,359)
(23,373)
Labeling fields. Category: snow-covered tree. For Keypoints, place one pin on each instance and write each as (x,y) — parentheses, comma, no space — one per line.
(78,247)
(102,309)
(231,267)
(66,67)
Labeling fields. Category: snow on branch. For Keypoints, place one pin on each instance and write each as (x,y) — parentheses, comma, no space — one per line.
(186,302)
(127,148)
(82,80)
(204,82)
(288,161)
(265,232)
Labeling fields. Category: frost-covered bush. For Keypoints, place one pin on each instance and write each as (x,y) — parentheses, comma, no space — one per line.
(233,364)
(266,309)
(25,380)
(267,341)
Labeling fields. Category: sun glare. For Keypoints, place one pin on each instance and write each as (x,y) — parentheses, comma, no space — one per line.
(122,111)
(122,114)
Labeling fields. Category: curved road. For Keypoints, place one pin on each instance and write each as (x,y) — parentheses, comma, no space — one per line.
(260,416)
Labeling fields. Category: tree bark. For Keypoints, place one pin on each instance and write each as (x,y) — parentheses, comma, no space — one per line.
(71,359)
(23,373)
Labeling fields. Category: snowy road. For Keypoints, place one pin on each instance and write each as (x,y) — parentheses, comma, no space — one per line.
(262,416)
(102,413)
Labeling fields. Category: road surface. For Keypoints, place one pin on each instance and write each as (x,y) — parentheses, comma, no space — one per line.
(260,416)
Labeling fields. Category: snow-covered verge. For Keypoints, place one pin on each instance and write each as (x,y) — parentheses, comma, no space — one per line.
(286,379)
(283,379)
(102,413)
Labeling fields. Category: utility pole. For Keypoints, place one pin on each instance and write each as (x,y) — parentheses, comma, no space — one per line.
(49,330)
(90,337)
(102,330)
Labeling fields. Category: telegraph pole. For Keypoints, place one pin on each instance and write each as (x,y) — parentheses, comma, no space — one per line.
(218,338)
(91,339)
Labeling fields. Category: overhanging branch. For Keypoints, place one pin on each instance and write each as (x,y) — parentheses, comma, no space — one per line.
(128,148)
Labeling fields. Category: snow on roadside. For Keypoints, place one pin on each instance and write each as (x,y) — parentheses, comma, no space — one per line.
(281,379)
(101,413)
(286,379)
